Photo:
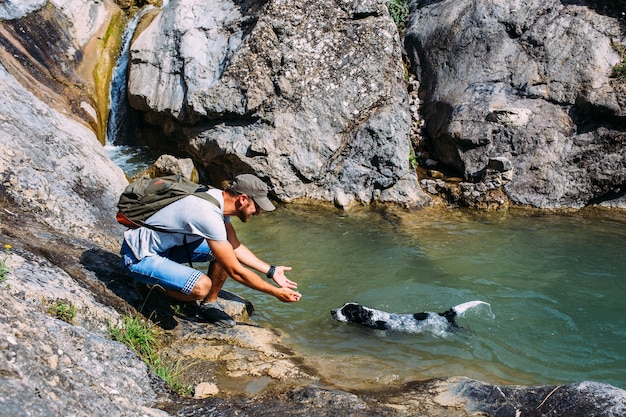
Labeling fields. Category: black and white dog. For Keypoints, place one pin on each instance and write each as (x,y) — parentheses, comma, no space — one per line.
(408,323)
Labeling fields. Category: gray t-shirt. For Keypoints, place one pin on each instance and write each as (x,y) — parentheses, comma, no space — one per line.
(192,216)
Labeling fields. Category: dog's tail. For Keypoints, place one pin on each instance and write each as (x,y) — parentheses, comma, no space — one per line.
(460,310)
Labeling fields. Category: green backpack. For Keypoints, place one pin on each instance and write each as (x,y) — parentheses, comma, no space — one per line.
(145,196)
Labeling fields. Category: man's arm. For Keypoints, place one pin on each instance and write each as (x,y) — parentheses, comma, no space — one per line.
(247,257)
(225,255)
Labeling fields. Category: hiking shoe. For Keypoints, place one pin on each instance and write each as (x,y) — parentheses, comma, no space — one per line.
(214,313)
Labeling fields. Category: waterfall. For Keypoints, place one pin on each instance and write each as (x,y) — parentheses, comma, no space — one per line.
(118,100)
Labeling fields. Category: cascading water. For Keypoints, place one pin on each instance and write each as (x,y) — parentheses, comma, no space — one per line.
(119,130)
(117,97)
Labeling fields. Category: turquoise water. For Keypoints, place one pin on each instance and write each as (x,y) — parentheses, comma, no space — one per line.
(556,285)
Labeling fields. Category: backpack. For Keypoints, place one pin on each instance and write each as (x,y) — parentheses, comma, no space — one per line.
(145,196)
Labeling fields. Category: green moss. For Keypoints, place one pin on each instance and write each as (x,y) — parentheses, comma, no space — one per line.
(4,256)
(108,52)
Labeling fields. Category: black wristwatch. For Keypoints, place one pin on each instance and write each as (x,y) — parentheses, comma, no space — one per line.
(271,271)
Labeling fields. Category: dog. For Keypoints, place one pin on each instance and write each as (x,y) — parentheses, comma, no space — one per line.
(408,323)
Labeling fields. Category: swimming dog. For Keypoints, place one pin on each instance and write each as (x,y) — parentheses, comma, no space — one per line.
(409,323)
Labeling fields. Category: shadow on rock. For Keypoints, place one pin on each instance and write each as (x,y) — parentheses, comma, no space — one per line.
(153,305)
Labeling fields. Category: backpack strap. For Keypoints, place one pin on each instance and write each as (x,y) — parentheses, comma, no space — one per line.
(202,193)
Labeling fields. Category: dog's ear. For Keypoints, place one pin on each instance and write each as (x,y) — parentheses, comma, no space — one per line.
(349,310)
(355,312)
(381,325)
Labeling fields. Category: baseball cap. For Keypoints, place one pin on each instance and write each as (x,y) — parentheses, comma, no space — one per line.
(252,186)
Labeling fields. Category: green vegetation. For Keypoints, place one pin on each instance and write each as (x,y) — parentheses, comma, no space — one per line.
(413,161)
(142,337)
(619,70)
(399,11)
(62,310)
(4,270)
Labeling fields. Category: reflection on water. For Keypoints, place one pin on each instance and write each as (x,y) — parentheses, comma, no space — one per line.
(556,285)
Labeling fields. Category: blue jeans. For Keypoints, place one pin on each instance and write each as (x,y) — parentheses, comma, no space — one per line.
(167,269)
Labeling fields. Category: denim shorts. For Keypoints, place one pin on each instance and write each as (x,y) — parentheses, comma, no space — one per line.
(167,269)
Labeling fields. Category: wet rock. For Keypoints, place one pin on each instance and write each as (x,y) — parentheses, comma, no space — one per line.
(581,399)
(63,52)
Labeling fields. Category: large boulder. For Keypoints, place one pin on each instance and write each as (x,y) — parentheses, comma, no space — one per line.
(528,83)
(311,97)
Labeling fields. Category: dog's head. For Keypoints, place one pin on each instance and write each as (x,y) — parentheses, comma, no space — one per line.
(351,313)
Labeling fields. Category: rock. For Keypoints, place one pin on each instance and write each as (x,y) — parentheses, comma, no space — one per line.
(50,367)
(170,165)
(500,163)
(54,167)
(581,399)
(80,44)
(535,89)
(312,98)
(205,389)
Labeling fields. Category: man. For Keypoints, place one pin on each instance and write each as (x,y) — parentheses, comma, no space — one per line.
(201,230)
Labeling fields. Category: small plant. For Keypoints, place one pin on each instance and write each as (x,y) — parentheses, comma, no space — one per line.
(619,70)
(62,310)
(4,270)
(399,11)
(172,375)
(142,337)
(413,159)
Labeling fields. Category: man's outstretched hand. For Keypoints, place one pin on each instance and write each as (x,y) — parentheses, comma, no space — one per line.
(287,295)
(281,279)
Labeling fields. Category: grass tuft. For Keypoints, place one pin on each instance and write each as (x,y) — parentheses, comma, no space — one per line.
(142,337)
(62,310)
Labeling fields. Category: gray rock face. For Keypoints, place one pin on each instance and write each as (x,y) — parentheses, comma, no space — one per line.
(311,97)
(528,81)
(55,168)
(50,367)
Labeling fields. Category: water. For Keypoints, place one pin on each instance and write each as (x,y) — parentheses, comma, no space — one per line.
(556,287)
(118,121)
(132,159)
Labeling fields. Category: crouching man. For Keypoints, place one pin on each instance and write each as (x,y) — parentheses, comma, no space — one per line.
(195,228)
